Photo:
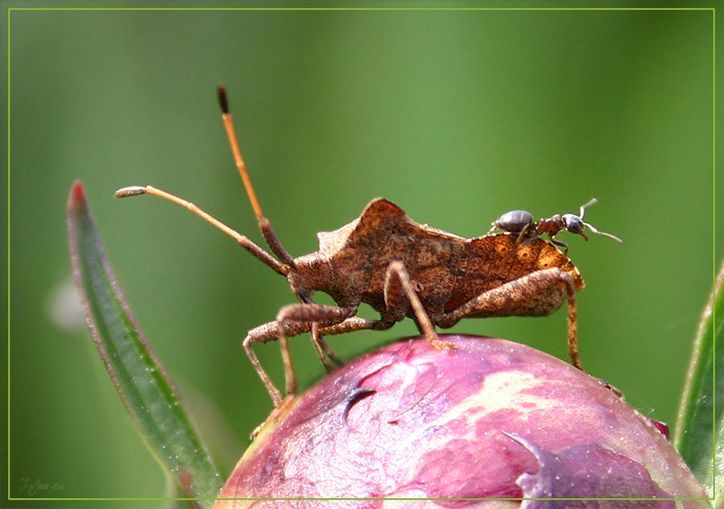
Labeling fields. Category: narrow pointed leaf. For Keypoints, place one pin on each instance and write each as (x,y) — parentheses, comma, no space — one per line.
(699,434)
(143,385)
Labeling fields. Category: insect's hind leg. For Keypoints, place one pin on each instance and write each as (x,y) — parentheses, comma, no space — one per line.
(398,292)
(573,332)
(539,293)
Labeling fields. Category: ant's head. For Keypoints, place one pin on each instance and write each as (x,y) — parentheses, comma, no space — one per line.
(575,224)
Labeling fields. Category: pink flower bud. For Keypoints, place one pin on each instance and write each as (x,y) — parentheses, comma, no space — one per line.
(491,418)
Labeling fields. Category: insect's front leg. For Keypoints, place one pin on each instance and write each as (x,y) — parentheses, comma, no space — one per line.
(306,313)
(539,293)
(262,334)
(291,321)
(268,332)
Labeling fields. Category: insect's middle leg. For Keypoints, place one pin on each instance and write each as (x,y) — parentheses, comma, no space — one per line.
(324,352)
(270,331)
(539,293)
(399,291)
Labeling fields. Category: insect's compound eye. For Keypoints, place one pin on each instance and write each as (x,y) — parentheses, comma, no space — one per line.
(574,224)
(514,221)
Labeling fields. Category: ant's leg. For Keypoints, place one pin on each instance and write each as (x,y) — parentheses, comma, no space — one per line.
(537,294)
(522,235)
(559,243)
(399,291)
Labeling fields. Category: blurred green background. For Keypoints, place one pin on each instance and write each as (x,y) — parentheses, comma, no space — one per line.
(455,116)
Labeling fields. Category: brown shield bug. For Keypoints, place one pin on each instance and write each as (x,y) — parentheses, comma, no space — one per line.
(401,269)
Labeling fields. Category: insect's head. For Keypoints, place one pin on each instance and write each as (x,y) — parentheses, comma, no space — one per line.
(575,224)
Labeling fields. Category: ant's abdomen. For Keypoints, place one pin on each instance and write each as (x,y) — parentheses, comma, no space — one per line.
(514,221)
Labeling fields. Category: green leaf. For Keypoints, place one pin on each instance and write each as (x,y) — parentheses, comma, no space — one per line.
(144,387)
(699,435)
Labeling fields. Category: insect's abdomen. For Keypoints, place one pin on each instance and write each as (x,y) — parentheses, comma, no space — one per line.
(514,221)
(494,260)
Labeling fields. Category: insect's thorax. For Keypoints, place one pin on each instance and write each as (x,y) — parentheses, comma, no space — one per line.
(357,273)
(551,226)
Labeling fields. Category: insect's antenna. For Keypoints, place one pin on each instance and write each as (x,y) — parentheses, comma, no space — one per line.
(243,241)
(589,203)
(271,239)
(604,234)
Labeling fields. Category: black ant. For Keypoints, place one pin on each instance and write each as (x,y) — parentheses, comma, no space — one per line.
(521,222)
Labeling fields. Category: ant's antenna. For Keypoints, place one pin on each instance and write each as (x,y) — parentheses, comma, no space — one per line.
(603,234)
(583,208)
(589,203)
(264,225)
